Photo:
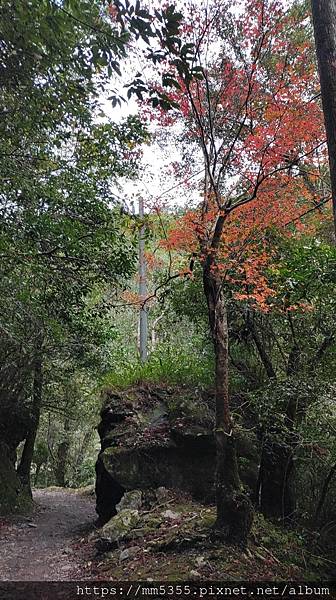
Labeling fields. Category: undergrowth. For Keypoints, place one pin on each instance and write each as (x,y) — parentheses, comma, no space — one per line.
(165,365)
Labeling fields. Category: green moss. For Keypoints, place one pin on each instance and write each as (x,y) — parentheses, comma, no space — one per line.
(173,553)
(14,498)
(153,522)
(112,451)
(119,526)
(208,520)
(189,406)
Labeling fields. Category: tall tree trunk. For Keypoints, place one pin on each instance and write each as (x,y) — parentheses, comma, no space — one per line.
(28,450)
(82,451)
(264,357)
(37,473)
(324,20)
(274,493)
(324,492)
(143,317)
(276,496)
(234,509)
(62,455)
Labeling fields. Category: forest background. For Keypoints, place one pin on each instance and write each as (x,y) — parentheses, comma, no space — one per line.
(238,234)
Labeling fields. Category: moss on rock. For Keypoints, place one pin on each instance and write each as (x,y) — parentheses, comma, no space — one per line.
(117,529)
(161,439)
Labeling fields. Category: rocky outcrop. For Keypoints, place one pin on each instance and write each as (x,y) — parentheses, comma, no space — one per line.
(172,538)
(158,437)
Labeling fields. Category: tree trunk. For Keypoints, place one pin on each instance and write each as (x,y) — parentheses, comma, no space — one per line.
(264,357)
(324,492)
(28,450)
(62,456)
(143,317)
(154,336)
(82,452)
(276,495)
(324,20)
(37,472)
(234,509)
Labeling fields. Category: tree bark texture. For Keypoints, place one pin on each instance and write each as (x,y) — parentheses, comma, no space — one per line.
(62,455)
(277,498)
(37,473)
(234,509)
(264,357)
(324,492)
(28,450)
(324,20)
(275,494)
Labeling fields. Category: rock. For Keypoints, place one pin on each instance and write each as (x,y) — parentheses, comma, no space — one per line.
(169,514)
(158,440)
(129,552)
(149,499)
(153,521)
(162,494)
(195,575)
(117,529)
(132,500)
(108,492)
(139,451)
(200,561)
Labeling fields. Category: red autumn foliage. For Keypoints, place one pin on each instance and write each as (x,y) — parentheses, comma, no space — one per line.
(255,120)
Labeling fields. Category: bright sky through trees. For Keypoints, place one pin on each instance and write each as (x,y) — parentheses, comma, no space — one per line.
(158,181)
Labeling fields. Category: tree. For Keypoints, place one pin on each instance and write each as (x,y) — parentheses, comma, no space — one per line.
(251,115)
(281,366)
(61,232)
(294,341)
(324,20)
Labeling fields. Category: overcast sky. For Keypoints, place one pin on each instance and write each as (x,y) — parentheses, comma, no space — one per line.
(156,179)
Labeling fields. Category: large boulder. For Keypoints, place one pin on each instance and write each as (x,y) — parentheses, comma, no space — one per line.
(153,437)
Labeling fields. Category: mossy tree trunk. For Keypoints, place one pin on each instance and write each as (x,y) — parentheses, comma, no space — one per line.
(24,467)
(37,473)
(62,455)
(234,509)
(277,498)
(275,494)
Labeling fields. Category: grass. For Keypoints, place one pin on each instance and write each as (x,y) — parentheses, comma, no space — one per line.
(167,366)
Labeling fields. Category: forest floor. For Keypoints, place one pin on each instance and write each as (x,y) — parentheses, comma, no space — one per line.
(174,541)
(46,546)
(59,542)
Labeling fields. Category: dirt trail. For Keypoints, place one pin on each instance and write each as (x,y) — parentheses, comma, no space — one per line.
(43,547)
